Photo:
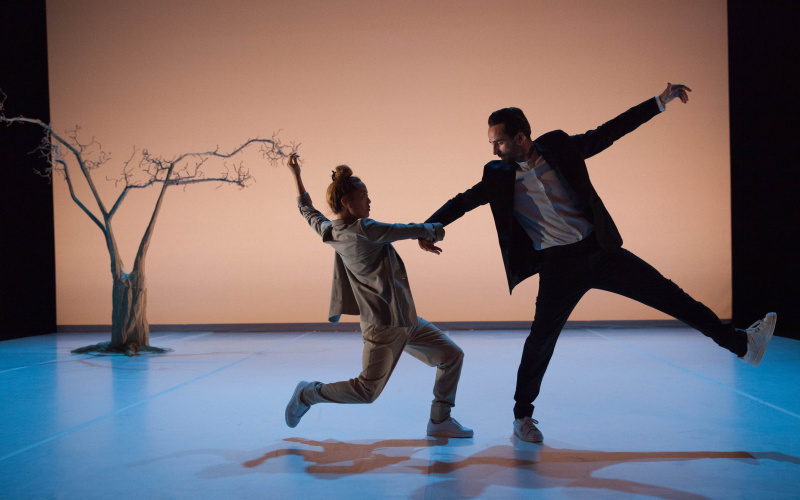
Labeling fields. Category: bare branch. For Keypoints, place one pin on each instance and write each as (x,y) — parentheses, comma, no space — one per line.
(51,150)
(183,170)
(187,168)
(72,190)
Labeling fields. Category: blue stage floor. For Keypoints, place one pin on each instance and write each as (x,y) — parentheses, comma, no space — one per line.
(626,413)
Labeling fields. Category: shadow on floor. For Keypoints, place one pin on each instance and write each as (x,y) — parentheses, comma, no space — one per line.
(518,465)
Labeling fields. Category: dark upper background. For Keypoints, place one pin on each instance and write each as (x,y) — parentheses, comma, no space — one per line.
(764,126)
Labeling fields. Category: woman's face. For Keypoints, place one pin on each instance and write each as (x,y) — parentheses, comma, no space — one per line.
(358,202)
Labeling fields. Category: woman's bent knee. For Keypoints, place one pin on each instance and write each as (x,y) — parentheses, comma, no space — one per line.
(368,393)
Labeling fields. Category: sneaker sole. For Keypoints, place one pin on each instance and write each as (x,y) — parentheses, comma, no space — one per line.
(450,435)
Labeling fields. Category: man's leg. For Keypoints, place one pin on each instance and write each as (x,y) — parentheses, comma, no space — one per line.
(561,286)
(624,273)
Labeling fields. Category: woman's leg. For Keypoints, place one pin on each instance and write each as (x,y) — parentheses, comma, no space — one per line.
(428,344)
(382,348)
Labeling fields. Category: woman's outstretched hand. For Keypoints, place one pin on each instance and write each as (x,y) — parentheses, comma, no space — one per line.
(428,246)
(294,166)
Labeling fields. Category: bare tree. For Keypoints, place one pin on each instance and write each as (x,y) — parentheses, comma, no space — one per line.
(130,331)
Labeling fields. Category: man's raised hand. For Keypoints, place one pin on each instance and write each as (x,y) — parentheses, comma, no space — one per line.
(678,90)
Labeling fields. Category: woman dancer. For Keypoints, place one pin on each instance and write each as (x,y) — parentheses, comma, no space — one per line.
(369,280)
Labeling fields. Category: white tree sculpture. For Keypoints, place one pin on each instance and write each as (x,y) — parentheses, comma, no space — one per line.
(130,331)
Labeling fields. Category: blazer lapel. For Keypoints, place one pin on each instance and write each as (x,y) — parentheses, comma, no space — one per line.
(501,177)
(572,168)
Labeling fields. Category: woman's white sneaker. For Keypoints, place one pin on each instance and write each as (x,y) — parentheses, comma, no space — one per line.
(448,428)
(296,408)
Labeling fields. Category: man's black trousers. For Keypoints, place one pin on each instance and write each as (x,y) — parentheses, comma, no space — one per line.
(568,272)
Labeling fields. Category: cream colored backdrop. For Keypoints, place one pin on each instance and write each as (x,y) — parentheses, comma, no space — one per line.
(401,92)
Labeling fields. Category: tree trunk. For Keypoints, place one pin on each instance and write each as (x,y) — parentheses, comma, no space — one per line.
(129,328)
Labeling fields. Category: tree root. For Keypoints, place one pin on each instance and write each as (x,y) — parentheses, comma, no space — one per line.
(132,349)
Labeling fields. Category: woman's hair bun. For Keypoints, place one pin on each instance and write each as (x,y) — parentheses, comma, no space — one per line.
(343,185)
(341,173)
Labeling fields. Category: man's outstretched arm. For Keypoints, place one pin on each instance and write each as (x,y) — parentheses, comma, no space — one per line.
(455,208)
(597,140)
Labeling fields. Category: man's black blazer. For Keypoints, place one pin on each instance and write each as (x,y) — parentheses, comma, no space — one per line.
(566,154)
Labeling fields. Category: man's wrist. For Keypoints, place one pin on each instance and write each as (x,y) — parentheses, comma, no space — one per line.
(661,106)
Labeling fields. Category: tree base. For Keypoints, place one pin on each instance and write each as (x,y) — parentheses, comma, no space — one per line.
(129,350)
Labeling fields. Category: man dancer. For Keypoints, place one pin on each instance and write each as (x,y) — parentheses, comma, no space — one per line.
(550,220)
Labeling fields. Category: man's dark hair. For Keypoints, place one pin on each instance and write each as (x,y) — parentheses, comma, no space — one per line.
(513,121)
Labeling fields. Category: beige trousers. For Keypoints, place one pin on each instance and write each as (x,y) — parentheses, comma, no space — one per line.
(382,348)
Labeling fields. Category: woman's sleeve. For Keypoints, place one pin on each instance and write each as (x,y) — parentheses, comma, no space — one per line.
(315,219)
(380,232)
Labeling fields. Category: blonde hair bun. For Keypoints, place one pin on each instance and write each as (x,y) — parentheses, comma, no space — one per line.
(343,185)
(341,173)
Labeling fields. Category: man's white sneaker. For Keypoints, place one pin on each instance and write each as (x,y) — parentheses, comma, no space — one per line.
(296,408)
(448,428)
(758,336)
(525,429)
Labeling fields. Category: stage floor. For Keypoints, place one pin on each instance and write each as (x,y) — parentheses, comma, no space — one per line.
(626,413)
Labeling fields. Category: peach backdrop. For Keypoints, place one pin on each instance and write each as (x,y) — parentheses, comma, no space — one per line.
(400,91)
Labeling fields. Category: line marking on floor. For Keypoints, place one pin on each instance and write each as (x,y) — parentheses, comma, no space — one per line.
(733,389)
(145,400)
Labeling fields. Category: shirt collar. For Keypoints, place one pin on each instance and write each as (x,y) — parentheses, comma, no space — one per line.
(526,166)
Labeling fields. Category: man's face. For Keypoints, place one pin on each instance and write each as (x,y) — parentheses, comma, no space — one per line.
(358,202)
(507,148)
